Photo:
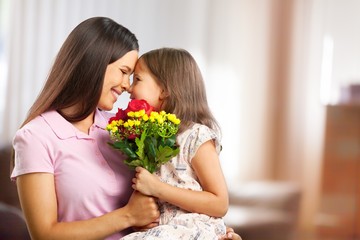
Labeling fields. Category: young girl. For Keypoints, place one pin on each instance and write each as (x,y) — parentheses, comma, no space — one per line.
(191,187)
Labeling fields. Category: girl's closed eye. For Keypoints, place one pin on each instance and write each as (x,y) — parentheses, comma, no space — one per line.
(137,79)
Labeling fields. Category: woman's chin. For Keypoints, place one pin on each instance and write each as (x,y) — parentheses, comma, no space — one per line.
(106,107)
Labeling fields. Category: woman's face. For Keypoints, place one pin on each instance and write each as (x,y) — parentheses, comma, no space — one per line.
(145,87)
(116,79)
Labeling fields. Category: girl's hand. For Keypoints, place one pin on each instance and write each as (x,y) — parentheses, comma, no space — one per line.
(230,234)
(145,182)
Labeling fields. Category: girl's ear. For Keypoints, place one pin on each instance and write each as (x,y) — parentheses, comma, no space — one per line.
(164,94)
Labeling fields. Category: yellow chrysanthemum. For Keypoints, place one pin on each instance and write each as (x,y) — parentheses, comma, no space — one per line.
(154,114)
(160,120)
(142,112)
(131,122)
(114,129)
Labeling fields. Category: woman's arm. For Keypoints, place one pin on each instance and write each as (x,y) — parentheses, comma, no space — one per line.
(39,204)
(213,200)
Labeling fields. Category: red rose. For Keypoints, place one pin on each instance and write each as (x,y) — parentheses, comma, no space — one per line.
(136,105)
(121,114)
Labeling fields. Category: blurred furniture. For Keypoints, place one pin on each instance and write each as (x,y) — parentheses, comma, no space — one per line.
(338,216)
(264,210)
(12,223)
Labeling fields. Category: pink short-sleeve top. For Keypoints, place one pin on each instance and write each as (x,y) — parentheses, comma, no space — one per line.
(90,176)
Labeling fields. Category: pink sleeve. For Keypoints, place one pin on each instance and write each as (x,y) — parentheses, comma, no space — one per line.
(31,155)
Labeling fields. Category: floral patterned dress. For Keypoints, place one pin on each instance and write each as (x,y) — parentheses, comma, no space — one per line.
(176,223)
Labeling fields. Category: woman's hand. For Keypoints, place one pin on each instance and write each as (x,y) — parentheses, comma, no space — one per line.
(143,209)
(230,234)
(147,227)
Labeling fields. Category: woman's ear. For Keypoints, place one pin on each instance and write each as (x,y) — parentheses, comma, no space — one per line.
(164,94)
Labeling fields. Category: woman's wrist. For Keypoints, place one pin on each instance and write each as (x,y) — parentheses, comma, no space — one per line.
(123,218)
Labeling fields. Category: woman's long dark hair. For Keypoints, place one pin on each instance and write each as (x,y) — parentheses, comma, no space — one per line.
(77,75)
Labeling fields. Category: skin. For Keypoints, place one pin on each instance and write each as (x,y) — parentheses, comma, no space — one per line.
(213,200)
(38,195)
(145,87)
(117,80)
(230,234)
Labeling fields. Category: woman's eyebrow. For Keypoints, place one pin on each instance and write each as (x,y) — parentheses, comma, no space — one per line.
(127,68)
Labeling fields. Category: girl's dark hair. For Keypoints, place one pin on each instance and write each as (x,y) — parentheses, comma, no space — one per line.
(77,75)
(176,71)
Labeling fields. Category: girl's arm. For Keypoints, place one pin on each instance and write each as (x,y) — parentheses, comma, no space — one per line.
(213,200)
(39,204)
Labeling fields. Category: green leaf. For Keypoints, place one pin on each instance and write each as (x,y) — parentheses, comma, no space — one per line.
(125,147)
(140,144)
(170,141)
(133,163)
(164,154)
(150,147)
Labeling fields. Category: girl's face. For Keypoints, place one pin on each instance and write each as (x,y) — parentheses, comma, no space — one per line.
(116,79)
(145,87)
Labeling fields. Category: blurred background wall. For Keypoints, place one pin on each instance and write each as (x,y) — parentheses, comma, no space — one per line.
(271,68)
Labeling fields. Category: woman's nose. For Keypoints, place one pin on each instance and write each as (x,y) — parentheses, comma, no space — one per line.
(130,89)
(125,84)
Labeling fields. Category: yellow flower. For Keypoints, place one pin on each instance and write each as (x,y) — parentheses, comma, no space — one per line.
(114,129)
(141,112)
(145,117)
(154,114)
(160,119)
(130,122)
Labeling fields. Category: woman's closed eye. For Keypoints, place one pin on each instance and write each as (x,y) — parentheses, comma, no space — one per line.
(123,71)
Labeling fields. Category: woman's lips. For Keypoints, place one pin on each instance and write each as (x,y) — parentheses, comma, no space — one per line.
(115,93)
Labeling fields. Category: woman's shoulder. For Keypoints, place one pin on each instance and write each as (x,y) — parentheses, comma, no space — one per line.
(37,123)
(41,126)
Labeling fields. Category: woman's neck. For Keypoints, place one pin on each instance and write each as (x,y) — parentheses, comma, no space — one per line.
(83,125)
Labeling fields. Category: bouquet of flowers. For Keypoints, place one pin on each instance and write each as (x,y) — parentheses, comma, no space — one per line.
(145,136)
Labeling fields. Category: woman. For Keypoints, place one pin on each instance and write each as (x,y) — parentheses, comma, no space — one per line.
(71,184)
